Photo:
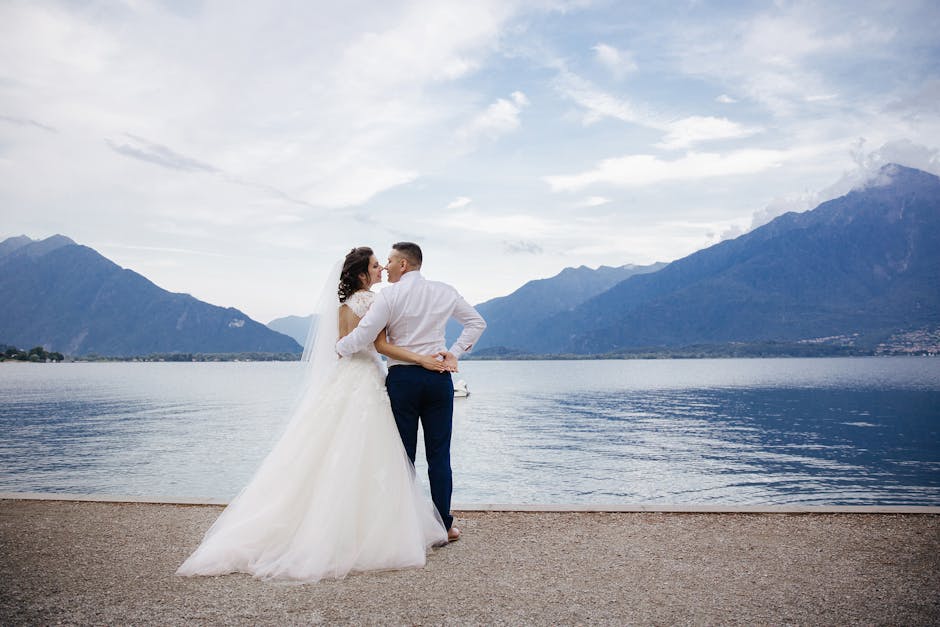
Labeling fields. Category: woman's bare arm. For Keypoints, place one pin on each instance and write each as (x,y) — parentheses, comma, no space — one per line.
(429,362)
(349,320)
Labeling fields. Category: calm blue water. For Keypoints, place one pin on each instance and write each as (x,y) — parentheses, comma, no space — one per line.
(748,431)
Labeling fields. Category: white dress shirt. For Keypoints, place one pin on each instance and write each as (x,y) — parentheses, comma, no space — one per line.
(415,312)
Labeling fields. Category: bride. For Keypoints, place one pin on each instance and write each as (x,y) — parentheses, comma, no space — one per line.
(337,493)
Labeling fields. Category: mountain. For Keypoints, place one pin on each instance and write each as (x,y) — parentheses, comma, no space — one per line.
(296,327)
(7,246)
(864,265)
(69,298)
(510,318)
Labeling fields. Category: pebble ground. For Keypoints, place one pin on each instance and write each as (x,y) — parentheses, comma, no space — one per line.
(109,563)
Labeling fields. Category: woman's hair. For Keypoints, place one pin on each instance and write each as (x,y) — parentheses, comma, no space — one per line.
(356,263)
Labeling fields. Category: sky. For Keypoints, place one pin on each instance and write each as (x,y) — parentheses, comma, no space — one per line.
(236,150)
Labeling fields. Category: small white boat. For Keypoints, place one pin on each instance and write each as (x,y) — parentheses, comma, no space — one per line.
(460,389)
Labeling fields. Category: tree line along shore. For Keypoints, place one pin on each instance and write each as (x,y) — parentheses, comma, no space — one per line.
(703,351)
(40,355)
(37,354)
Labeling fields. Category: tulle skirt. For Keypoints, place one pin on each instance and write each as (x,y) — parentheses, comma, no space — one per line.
(337,494)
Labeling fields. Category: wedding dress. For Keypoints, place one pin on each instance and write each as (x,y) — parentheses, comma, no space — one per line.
(337,493)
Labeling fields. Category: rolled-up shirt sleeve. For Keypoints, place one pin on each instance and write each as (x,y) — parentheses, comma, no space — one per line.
(473,326)
(368,329)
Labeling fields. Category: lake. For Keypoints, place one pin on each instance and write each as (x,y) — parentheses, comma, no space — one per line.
(851,431)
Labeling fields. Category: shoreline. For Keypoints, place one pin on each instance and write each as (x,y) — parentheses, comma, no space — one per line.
(210,358)
(84,562)
(673,508)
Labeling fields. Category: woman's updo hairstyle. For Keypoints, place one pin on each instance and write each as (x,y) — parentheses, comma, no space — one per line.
(356,263)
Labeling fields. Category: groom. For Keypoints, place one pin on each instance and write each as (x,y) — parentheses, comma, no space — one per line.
(414,311)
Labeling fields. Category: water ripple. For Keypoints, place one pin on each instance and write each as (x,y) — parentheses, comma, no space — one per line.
(859,431)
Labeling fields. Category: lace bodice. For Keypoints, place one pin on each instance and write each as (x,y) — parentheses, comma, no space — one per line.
(360,302)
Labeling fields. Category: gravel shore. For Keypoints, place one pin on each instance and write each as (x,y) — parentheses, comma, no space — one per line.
(113,563)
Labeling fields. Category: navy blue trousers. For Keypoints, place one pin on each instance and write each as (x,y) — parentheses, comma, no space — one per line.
(419,394)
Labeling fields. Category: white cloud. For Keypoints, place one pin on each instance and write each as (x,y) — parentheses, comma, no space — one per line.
(901,151)
(460,201)
(776,57)
(732,232)
(725,99)
(696,129)
(497,119)
(783,39)
(636,170)
(102,245)
(796,202)
(328,106)
(231,127)
(597,103)
(510,224)
(522,246)
(594,201)
(140,148)
(820,97)
(679,133)
(918,103)
(618,62)
(867,165)
(27,122)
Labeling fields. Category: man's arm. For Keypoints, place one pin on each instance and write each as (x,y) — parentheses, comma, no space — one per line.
(375,320)
(473,326)
(428,362)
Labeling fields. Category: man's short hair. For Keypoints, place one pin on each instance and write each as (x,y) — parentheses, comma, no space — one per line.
(410,251)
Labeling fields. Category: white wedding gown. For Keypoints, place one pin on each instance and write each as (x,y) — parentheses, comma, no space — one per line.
(337,494)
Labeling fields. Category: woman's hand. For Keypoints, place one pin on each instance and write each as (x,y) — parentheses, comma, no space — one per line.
(442,361)
(439,362)
(450,362)
(431,362)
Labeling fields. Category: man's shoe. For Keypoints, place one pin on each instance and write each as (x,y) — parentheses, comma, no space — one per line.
(453,534)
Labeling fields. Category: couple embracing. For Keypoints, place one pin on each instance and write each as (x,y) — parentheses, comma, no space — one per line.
(338,491)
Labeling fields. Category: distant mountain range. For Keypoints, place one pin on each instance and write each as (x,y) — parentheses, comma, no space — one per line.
(852,272)
(296,327)
(69,298)
(512,319)
(856,269)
